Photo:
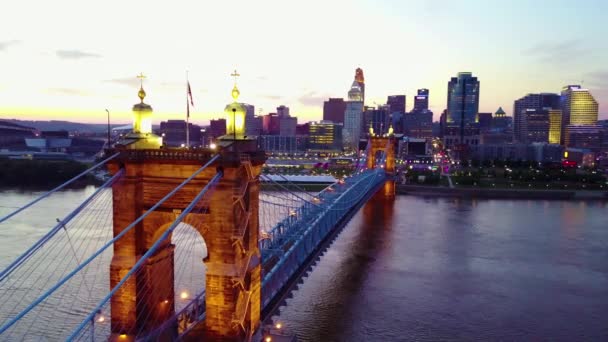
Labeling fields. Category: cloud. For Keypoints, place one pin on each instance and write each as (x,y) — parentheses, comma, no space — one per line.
(75,54)
(556,52)
(67,91)
(5,45)
(270,97)
(597,78)
(127,81)
(313,99)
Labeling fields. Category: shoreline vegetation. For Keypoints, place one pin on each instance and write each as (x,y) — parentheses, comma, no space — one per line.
(42,174)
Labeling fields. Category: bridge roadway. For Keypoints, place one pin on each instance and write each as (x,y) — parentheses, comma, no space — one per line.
(290,249)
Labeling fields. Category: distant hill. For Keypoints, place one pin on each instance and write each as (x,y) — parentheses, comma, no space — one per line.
(56,125)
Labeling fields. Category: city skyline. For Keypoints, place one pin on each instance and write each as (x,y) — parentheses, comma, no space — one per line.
(81,65)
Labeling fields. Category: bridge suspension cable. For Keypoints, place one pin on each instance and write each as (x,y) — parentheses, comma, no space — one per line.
(46,194)
(91,316)
(99,251)
(60,224)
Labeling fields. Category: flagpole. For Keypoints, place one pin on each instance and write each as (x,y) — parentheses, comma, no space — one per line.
(187,114)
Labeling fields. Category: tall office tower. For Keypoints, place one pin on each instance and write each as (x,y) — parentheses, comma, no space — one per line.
(555,126)
(421,101)
(463,107)
(396,103)
(282,110)
(579,118)
(463,99)
(355,93)
(361,82)
(530,101)
(579,108)
(537,126)
(333,110)
(353,119)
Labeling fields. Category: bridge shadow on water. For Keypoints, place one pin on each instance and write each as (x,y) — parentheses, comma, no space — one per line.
(340,275)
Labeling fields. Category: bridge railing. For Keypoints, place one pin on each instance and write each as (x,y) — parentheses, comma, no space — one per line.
(291,247)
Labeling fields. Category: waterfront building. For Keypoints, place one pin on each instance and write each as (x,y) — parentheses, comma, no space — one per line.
(583,136)
(325,136)
(333,110)
(462,121)
(578,106)
(463,100)
(537,125)
(287,125)
(284,144)
(538,102)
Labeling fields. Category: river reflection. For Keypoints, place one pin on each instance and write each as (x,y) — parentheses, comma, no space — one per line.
(421,269)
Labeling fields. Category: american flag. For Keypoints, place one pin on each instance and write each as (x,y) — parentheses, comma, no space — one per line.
(191,101)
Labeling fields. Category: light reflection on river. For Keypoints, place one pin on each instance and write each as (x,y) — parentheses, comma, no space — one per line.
(421,269)
(425,269)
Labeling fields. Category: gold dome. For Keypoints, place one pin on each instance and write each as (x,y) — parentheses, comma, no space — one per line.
(141,94)
(235,93)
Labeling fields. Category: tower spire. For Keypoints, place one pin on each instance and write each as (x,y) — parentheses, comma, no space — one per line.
(235,89)
(141,94)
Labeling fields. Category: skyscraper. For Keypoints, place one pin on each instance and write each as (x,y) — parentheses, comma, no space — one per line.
(333,110)
(396,103)
(463,100)
(421,101)
(462,113)
(353,119)
(537,102)
(361,81)
(578,106)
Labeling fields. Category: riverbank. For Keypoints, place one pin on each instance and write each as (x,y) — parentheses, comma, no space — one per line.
(461,192)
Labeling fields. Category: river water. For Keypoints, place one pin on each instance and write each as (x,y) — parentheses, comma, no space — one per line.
(420,269)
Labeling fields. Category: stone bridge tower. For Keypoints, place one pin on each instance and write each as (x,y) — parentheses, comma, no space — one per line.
(385,144)
(227,221)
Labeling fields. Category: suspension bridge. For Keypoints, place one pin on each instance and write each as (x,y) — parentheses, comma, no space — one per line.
(178,244)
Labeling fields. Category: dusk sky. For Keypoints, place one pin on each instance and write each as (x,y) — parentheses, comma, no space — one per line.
(69,60)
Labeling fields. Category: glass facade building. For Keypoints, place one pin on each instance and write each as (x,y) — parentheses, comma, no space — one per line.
(463,100)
